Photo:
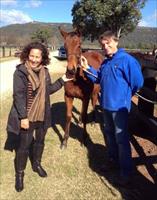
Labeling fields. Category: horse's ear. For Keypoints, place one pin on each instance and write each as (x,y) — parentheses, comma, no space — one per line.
(77,31)
(63,33)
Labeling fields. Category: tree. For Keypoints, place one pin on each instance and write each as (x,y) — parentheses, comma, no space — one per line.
(93,17)
(41,36)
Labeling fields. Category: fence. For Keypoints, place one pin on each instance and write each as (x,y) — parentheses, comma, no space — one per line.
(146,110)
(8,51)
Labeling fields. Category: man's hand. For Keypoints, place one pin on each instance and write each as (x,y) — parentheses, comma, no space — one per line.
(84,62)
(25,123)
(65,79)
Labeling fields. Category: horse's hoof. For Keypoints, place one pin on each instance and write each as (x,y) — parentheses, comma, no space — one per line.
(63,146)
(80,124)
(93,123)
(82,144)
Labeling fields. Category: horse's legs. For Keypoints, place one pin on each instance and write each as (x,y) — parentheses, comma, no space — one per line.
(69,106)
(84,119)
(94,99)
(80,117)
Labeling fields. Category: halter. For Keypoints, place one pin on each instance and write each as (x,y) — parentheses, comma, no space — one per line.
(77,56)
(74,54)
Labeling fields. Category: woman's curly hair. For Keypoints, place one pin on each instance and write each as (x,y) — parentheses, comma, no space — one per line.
(35,45)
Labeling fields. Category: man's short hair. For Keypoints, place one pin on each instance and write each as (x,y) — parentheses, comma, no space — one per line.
(107,35)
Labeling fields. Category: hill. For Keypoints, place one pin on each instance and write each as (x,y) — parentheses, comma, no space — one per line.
(20,34)
(141,37)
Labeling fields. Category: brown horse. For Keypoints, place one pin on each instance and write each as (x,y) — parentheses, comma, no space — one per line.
(80,87)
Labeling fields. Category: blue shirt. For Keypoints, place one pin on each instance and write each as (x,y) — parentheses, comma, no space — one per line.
(120,77)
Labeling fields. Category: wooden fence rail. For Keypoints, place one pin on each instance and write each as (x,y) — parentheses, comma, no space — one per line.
(8,51)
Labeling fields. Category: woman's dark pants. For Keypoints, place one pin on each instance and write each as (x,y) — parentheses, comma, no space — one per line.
(31,147)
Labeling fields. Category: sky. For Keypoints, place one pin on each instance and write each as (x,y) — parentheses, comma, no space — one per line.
(53,11)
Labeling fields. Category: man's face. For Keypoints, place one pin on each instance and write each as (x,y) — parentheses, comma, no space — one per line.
(109,45)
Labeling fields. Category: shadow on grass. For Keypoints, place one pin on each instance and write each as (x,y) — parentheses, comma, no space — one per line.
(58,113)
(142,188)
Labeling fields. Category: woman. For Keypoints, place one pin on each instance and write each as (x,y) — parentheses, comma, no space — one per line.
(30,110)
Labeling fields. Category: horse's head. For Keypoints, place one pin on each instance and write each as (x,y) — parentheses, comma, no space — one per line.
(72,44)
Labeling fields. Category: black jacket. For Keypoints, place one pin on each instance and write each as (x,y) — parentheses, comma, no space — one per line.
(18,109)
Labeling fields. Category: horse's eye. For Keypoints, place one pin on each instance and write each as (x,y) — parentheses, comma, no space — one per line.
(79,46)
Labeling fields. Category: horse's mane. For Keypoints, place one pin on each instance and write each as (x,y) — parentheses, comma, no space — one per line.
(94,58)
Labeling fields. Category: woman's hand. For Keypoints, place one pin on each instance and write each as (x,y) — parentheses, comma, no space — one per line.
(65,79)
(84,62)
(25,123)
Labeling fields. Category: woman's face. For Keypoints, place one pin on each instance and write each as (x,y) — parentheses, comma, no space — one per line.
(35,57)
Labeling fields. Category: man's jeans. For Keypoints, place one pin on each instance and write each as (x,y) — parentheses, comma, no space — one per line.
(117,139)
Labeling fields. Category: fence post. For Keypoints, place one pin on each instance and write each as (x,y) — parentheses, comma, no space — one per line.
(10,52)
(3,51)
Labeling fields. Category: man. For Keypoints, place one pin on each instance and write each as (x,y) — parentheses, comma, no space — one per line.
(120,77)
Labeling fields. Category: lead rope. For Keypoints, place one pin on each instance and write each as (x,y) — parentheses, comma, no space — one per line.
(138,95)
(87,71)
(145,99)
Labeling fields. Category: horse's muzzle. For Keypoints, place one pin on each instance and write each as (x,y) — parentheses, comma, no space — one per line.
(70,73)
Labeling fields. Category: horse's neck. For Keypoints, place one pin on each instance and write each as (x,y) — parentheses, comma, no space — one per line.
(80,74)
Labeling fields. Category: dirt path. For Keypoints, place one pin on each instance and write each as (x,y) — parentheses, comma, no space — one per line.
(6,75)
(7,69)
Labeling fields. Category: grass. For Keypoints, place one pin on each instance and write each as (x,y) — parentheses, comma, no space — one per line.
(71,173)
